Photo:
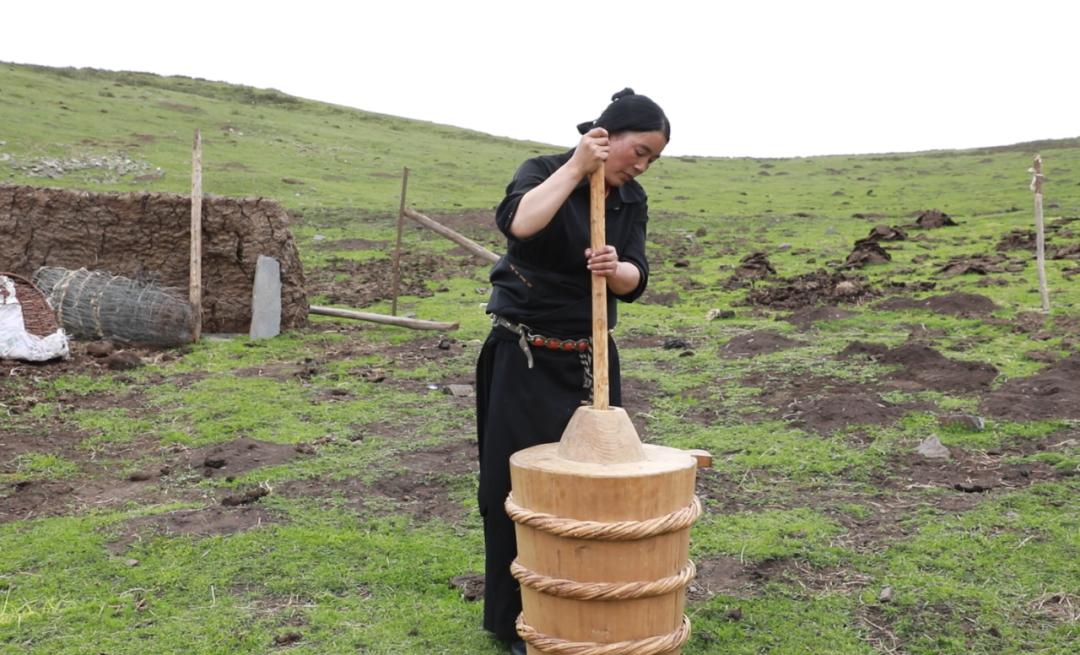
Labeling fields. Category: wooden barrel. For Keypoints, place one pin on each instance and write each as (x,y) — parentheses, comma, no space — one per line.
(603,545)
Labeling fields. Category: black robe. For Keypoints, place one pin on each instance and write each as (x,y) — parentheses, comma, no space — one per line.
(542,282)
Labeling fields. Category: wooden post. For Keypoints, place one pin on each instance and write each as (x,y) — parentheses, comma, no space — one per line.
(195,263)
(1040,238)
(397,247)
(598,240)
(460,239)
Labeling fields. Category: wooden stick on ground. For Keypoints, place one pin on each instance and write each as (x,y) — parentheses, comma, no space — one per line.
(462,240)
(1040,238)
(397,247)
(411,323)
(195,263)
(598,240)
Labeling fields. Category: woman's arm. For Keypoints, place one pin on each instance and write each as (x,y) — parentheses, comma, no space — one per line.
(537,207)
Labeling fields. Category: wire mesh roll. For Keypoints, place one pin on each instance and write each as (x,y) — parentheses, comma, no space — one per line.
(100,305)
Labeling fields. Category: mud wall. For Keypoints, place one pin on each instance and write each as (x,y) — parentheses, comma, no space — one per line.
(146,236)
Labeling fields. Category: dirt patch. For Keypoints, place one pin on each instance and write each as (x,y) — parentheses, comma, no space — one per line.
(925,368)
(1017,240)
(759,342)
(1053,392)
(887,233)
(204,522)
(720,575)
(664,298)
(804,318)
(234,457)
(956,304)
(819,287)
(359,284)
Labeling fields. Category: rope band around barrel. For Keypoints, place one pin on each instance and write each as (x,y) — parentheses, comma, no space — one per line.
(602,590)
(649,646)
(614,531)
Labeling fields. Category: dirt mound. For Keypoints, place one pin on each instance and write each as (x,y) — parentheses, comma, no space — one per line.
(804,318)
(956,304)
(755,266)
(887,233)
(924,367)
(867,251)
(1053,392)
(1017,240)
(759,342)
(981,265)
(819,287)
(933,218)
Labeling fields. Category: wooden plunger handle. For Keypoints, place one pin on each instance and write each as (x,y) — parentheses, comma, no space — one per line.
(599,291)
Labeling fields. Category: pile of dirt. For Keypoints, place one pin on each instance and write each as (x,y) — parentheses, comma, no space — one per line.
(1017,240)
(819,287)
(956,304)
(887,233)
(867,251)
(759,342)
(1053,392)
(237,456)
(925,368)
(755,266)
(981,265)
(933,218)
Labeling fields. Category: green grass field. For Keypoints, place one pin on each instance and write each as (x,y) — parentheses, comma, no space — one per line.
(114,538)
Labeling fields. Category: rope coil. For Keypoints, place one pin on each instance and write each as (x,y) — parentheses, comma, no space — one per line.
(602,590)
(649,646)
(613,531)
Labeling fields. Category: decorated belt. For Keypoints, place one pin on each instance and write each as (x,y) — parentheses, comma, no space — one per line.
(526,338)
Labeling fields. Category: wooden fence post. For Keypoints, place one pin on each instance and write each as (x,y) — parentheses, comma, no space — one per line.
(1040,237)
(195,264)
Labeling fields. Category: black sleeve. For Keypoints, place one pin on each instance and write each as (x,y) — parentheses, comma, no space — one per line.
(528,176)
(634,252)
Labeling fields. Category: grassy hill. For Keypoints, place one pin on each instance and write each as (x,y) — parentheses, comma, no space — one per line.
(314,493)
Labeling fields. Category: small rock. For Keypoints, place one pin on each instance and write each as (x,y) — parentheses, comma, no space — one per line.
(131,562)
(215,462)
(140,476)
(973,487)
(100,348)
(460,390)
(304,449)
(288,638)
(123,361)
(846,288)
(719,313)
(676,343)
(445,344)
(932,448)
(735,613)
(783,246)
(682,263)
(965,421)
(318,237)
(886,595)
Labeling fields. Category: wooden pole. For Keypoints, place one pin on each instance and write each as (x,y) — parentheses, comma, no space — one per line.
(462,240)
(397,247)
(195,264)
(1040,238)
(599,291)
(411,323)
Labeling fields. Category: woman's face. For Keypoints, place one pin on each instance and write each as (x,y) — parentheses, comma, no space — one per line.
(631,155)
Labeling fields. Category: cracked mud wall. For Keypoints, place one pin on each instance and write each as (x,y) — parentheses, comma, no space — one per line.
(146,236)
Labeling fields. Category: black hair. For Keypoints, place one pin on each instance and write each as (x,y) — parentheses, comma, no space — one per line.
(630,112)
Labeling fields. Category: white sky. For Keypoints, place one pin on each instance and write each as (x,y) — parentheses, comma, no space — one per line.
(769,79)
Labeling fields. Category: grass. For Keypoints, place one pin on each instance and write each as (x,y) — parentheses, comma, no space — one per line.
(342,569)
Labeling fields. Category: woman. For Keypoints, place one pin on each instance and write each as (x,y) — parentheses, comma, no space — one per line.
(534,369)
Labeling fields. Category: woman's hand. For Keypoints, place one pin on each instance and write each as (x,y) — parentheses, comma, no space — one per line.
(590,152)
(604,262)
